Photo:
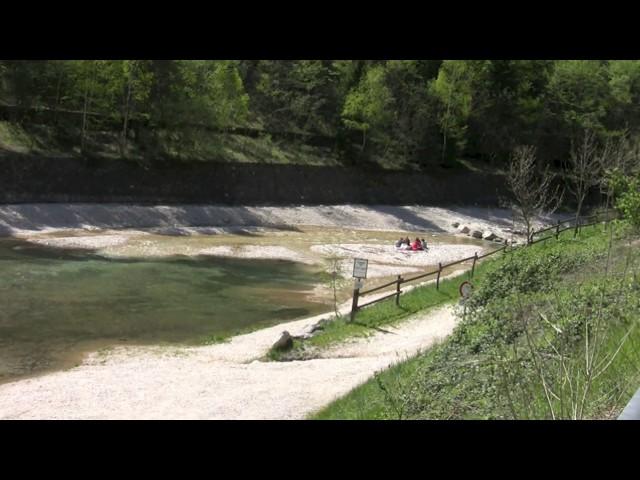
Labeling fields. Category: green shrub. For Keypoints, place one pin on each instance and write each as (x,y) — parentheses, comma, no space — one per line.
(626,191)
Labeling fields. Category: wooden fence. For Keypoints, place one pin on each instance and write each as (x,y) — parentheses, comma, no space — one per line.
(557,229)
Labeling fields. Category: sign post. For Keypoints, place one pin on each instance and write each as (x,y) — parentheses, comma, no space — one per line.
(360,267)
(359,273)
(466,289)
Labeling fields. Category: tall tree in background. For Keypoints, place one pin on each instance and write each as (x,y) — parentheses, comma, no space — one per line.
(85,73)
(624,84)
(584,169)
(507,105)
(532,191)
(453,88)
(579,95)
(618,158)
(414,129)
(135,88)
(299,95)
(187,97)
(367,106)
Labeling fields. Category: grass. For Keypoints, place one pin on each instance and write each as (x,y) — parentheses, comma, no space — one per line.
(14,138)
(501,362)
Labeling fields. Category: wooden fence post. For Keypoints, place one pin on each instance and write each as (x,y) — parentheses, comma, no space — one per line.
(354,304)
(473,267)
(398,290)
(557,229)
(438,279)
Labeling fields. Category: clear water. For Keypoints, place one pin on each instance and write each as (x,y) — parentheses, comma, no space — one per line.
(58,304)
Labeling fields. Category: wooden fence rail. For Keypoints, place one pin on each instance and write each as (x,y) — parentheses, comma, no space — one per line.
(399,281)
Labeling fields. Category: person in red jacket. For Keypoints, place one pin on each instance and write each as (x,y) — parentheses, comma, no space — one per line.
(417,245)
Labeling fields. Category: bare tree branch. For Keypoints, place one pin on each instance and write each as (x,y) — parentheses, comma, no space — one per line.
(533,192)
(585,169)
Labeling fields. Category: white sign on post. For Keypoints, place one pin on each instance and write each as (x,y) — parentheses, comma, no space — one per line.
(466,289)
(360,267)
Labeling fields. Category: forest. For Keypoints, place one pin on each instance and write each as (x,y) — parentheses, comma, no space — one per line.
(402,114)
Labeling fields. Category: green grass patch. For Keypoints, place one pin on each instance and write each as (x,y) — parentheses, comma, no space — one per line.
(537,314)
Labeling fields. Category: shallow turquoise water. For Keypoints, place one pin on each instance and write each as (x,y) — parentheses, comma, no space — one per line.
(57,304)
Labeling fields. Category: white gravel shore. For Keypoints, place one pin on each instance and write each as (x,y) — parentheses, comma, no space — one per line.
(225,381)
(184,219)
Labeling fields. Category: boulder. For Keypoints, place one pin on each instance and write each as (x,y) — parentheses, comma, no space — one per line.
(498,240)
(488,235)
(463,229)
(476,234)
(455,224)
(285,342)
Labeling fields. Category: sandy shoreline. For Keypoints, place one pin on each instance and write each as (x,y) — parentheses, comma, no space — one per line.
(225,381)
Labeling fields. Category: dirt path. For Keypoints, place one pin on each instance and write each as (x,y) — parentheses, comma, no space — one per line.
(224,381)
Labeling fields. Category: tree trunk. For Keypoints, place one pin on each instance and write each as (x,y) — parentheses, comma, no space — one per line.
(444,147)
(57,104)
(578,211)
(84,116)
(606,210)
(123,142)
(87,103)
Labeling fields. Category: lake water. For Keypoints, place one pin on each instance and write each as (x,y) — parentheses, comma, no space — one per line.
(56,305)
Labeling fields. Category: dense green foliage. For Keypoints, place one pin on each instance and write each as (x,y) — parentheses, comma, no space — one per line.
(626,193)
(417,112)
(551,333)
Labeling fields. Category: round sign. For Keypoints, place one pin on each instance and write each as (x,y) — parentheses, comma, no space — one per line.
(465,289)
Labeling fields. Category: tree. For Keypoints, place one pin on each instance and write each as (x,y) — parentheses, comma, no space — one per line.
(299,95)
(414,130)
(624,84)
(507,107)
(189,97)
(584,170)
(620,159)
(453,88)
(137,85)
(579,94)
(84,73)
(532,192)
(367,106)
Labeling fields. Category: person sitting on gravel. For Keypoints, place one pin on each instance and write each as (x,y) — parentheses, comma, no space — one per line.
(407,244)
(424,244)
(399,243)
(416,245)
